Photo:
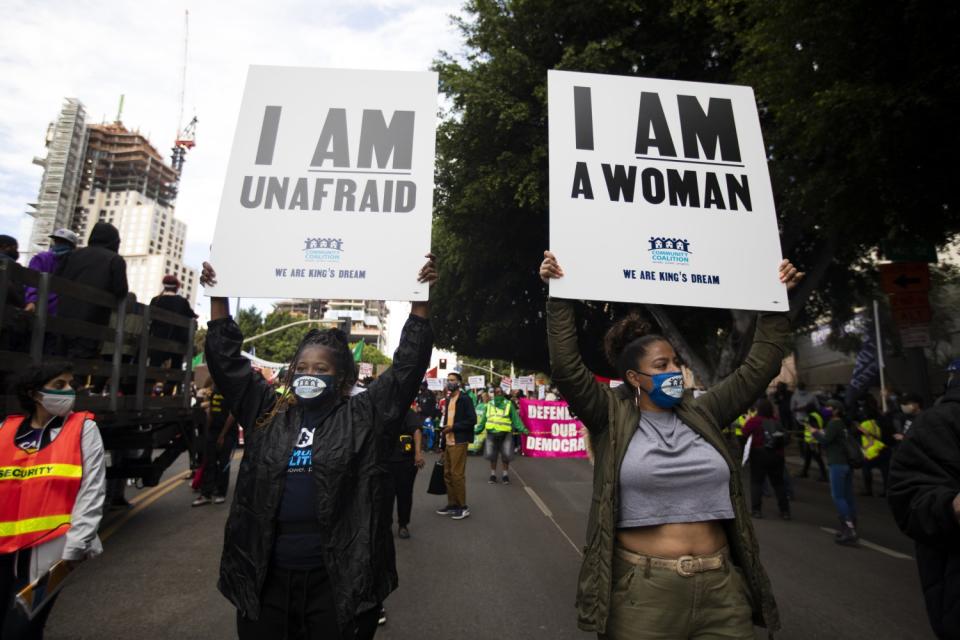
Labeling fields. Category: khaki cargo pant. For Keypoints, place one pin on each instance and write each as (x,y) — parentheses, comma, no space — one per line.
(659,604)
(455,474)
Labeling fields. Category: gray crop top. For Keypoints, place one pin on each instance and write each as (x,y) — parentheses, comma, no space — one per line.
(670,475)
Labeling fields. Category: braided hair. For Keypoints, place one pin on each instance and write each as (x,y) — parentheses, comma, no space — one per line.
(346,375)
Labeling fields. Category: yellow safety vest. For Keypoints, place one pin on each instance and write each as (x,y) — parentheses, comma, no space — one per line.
(870,439)
(741,421)
(808,427)
(499,419)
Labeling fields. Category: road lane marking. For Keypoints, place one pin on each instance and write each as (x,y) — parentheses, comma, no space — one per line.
(537,500)
(145,495)
(875,547)
(143,504)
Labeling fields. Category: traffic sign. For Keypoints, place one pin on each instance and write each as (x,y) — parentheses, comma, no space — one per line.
(910,300)
(909,250)
(911,316)
(905,277)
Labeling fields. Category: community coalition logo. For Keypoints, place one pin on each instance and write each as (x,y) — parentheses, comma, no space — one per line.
(669,250)
(322,249)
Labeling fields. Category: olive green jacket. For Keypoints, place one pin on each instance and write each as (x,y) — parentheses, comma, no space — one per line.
(612,416)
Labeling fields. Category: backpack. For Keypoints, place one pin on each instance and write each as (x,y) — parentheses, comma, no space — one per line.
(774,435)
(851,446)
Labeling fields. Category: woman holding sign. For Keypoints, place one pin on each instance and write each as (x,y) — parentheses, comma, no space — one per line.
(671,551)
(308,551)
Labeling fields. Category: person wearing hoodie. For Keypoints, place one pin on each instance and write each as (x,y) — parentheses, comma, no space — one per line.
(97,265)
(62,242)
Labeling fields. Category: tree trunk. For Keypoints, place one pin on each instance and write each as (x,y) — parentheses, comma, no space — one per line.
(701,370)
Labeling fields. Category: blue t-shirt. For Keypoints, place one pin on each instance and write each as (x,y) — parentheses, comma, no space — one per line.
(298,505)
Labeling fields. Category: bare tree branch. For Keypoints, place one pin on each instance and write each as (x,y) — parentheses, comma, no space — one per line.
(704,373)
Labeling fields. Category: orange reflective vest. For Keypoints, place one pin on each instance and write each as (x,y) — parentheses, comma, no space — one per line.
(38,490)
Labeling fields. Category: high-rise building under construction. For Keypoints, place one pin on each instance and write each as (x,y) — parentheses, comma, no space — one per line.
(125,181)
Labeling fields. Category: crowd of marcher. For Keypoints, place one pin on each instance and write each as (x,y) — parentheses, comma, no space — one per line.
(309,547)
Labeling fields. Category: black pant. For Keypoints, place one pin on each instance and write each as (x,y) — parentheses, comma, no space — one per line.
(297,605)
(765,463)
(403,475)
(811,452)
(216,462)
(14,625)
(881,462)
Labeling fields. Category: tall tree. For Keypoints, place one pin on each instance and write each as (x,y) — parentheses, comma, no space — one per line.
(851,97)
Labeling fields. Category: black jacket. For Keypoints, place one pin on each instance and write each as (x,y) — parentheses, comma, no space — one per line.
(97,265)
(924,481)
(464,420)
(347,454)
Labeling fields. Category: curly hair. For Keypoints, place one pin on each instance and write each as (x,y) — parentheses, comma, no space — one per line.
(346,376)
(627,341)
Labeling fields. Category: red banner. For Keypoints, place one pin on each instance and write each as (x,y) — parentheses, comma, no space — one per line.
(554,433)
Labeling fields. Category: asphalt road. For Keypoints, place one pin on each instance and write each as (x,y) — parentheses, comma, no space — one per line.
(506,573)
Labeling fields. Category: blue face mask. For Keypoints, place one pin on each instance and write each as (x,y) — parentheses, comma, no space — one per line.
(667,388)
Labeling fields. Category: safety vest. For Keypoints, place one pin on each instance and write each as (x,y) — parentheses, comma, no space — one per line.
(741,421)
(813,417)
(870,439)
(38,490)
(499,419)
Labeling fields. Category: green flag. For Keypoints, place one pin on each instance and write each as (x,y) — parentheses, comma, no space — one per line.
(358,351)
(197,361)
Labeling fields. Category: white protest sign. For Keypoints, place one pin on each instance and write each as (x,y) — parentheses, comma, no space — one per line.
(329,187)
(435,384)
(366,370)
(507,385)
(476,382)
(659,193)
(526,383)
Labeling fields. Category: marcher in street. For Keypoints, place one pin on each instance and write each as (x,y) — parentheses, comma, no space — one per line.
(52,517)
(803,402)
(97,265)
(834,440)
(782,399)
(458,422)
(876,453)
(219,442)
(499,419)
(810,446)
(62,242)
(925,497)
(767,458)
(403,463)
(10,252)
(683,535)
(304,554)
(907,412)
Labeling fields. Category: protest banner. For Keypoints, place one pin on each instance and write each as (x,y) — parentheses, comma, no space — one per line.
(660,193)
(476,382)
(554,433)
(329,186)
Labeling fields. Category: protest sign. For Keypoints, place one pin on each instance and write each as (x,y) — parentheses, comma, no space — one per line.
(526,383)
(659,193)
(476,382)
(366,370)
(506,384)
(329,186)
(435,384)
(554,433)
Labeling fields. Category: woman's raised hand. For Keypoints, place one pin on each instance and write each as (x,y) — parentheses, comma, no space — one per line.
(550,268)
(789,274)
(208,277)
(428,273)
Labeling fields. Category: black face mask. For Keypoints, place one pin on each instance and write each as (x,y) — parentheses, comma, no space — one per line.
(312,390)
(13,253)
(453,386)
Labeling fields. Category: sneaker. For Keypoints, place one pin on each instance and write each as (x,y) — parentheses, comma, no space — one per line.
(382,620)
(506,479)
(492,479)
(460,514)
(446,511)
(201,501)
(404,533)
(219,499)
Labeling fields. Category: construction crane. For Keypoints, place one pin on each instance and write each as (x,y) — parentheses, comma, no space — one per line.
(186,138)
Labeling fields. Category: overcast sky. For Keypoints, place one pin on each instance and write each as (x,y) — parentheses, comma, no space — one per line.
(96,51)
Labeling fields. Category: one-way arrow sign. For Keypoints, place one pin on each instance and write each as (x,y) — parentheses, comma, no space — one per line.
(905,277)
